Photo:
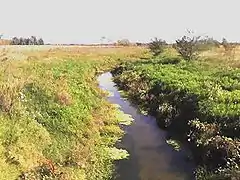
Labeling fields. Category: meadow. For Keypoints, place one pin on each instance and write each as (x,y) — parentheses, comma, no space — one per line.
(198,101)
(55,121)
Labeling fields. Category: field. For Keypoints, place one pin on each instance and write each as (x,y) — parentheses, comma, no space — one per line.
(198,100)
(55,122)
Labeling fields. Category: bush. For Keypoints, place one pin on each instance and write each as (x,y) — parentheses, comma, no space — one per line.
(187,47)
(157,46)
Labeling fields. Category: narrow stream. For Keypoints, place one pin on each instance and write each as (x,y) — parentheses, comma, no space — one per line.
(151,158)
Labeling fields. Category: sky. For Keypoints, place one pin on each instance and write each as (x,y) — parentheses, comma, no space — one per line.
(86,21)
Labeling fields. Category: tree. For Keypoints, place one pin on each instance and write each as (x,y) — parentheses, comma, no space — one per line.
(157,46)
(21,41)
(187,46)
(26,41)
(33,40)
(15,41)
(123,42)
(40,42)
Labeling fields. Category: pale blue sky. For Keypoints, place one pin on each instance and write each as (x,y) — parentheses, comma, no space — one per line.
(86,21)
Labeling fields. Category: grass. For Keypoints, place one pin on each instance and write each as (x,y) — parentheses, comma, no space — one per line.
(55,122)
(198,100)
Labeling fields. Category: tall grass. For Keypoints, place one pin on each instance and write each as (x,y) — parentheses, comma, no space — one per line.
(54,121)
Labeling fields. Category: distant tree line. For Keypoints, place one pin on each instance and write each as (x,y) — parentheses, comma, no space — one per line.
(27,41)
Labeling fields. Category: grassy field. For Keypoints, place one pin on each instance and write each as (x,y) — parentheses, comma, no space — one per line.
(55,122)
(198,100)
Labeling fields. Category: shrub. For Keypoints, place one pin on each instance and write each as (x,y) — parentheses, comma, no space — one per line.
(157,46)
(187,47)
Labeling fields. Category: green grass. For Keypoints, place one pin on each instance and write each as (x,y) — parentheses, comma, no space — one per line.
(199,99)
(54,120)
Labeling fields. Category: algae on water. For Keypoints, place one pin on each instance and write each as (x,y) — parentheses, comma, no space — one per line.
(124,119)
(117,154)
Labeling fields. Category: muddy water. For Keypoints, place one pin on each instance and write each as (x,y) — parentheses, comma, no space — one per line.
(151,158)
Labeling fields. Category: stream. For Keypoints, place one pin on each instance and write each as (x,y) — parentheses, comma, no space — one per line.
(151,157)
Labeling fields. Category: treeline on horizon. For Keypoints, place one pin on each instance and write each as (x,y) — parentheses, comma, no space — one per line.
(26,41)
(122,42)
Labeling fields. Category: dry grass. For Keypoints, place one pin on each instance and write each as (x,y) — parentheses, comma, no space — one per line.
(45,52)
(217,57)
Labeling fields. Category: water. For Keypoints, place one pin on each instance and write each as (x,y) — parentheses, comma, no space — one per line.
(151,158)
